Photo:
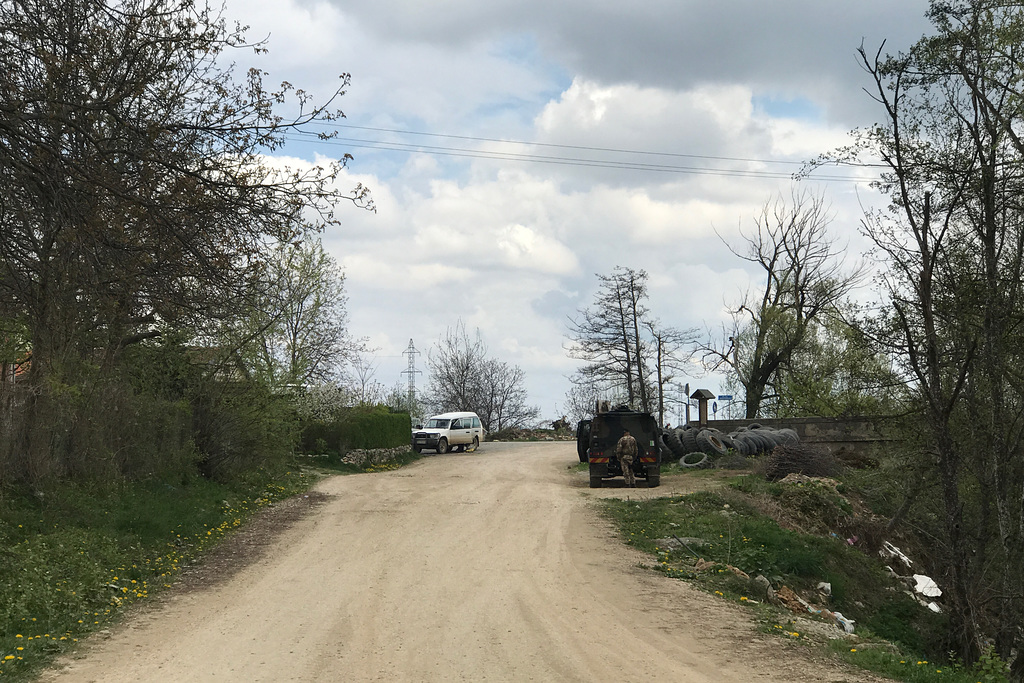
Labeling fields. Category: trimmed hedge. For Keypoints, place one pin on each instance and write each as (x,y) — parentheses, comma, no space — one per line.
(375,427)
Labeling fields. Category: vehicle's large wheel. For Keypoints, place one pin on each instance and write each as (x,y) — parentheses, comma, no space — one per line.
(595,482)
(653,478)
(417,449)
(476,443)
(442,446)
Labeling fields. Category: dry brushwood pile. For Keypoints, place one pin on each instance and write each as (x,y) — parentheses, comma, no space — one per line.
(799,459)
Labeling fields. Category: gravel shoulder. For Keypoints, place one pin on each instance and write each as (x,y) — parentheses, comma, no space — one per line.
(491,566)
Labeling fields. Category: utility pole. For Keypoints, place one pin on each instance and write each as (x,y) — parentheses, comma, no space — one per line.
(411,371)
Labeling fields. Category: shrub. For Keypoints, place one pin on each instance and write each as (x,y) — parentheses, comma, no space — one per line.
(375,427)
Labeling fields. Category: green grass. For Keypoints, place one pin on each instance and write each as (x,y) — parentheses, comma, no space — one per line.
(724,526)
(72,558)
(894,663)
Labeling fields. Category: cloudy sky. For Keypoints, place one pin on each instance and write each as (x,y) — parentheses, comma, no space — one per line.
(516,148)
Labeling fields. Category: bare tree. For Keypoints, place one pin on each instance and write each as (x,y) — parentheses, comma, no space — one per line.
(803,278)
(503,397)
(455,363)
(672,351)
(463,377)
(367,390)
(608,336)
(580,400)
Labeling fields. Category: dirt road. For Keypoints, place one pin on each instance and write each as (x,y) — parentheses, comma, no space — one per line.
(490,566)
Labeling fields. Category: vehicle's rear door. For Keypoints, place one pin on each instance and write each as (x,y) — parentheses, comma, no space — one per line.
(583,439)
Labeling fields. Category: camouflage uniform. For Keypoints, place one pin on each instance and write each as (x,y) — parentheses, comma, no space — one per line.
(625,451)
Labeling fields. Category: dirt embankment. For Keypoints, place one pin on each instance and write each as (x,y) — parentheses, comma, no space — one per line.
(491,566)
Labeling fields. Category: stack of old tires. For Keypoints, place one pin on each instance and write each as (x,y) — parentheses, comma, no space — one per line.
(697,448)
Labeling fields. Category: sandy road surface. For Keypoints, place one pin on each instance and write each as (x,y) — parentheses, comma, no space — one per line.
(490,566)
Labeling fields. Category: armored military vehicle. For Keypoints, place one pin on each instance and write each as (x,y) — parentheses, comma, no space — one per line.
(596,439)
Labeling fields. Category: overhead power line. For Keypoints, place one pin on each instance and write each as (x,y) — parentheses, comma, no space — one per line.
(578,161)
(562,146)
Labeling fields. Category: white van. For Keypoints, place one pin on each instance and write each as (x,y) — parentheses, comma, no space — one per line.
(459,431)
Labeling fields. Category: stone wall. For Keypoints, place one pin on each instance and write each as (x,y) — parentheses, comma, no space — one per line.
(368,457)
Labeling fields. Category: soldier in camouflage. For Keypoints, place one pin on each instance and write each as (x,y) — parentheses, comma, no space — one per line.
(625,451)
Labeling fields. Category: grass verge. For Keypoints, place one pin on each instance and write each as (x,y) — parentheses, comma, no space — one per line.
(728,528)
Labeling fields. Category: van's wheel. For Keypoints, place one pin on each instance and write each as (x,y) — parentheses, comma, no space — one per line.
(442,446)
(476,444)
(595,482)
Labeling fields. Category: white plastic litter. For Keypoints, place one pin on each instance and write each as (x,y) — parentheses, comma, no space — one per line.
(844,623)
(926,587)
(891,552)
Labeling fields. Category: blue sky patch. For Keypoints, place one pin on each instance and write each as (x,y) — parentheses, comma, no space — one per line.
(783,108)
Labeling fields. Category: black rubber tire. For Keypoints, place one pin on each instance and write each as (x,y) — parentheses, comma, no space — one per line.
(788,436)
(765,444)
(689,440)
(442,446)
(709,443)
(754,443)
(674,444)
(700,460)
(475,445)
(595,482)
(417,449)
(654,480)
